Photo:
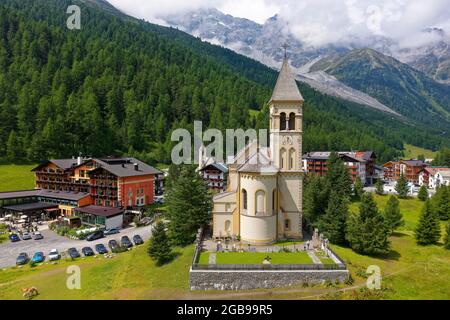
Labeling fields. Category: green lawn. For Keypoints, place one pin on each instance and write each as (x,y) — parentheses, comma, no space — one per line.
(130,275)
(257,258)
(16,177)
(412,152)
(409,272)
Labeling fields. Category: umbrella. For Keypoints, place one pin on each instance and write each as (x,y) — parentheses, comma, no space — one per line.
(8,216)
(2,219)
(21,221)
(23,217)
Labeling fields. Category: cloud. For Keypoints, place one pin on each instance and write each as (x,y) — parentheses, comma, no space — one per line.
(320,22)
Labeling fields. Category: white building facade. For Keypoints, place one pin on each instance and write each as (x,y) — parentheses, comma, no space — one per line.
(263,199)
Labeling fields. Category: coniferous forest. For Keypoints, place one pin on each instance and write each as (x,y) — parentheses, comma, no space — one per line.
(120,86)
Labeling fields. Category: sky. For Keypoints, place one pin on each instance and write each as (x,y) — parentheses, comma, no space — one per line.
(320,22)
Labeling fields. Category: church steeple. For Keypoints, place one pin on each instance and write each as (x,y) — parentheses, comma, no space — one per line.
(286,89)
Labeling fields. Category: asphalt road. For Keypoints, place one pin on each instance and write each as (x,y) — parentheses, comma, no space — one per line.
(9,251)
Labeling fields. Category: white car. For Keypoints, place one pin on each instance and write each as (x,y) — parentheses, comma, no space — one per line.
(26,236)
(54,255)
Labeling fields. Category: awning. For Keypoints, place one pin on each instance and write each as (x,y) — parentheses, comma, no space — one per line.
(51,210)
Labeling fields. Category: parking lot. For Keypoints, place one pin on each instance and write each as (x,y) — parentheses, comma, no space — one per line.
(9,250)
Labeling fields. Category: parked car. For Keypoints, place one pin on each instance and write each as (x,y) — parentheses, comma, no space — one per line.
(73,253)
(38,257)
(101,249)
(22,259)
(111,231)
(126,242)
(38,236)
(113,245)
(95,236)
(54,255)
(14,238)
(87,251)
(137,240)
(26,236)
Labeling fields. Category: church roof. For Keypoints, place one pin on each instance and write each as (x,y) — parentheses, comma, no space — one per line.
(258,163)
(286,88)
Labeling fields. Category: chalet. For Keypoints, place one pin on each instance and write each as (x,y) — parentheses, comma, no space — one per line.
(64,186)
(411,169)
(360,164)
(428,176)
(215,175)
(443,178)
(110,182)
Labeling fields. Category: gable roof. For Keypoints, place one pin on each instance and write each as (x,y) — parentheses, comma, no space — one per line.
(413,163)
(222,167)
(124,167)
(63,164)
(286,88)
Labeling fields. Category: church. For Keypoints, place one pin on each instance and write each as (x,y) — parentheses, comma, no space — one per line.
(263,199)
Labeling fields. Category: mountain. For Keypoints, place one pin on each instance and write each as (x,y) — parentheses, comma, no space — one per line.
(406,90)
(262,42)
(121,86)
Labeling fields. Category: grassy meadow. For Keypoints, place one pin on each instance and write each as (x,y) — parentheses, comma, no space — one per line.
(16,177)
(412,152)
(409,272)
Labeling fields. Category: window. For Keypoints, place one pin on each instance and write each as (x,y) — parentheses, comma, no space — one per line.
(291,159)
(283,121)
(287,224)
(228,226)
(244,199)
(292,121)
(282,158)
(260,202)
(274,199)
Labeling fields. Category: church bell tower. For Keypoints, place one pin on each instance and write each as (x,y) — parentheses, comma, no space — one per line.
(286,122)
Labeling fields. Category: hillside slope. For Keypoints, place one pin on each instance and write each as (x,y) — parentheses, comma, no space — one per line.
(120,86)
(395,84)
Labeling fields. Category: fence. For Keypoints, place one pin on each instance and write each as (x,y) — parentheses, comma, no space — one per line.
(268,267)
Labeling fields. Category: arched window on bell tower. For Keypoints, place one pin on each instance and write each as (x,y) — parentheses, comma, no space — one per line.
(283,160)
(291,159)
(282,121)
(292,121)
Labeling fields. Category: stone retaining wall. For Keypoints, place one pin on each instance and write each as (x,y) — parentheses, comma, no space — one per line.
(248,279)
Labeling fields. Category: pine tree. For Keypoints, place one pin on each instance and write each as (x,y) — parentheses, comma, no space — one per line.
(337,176)
(315,199)
(379,187)
(392,214)
(402,187)
(358,188)
(367,232)
(447,237)
(428,230)
(189,206)
(333,223)
(423,193)
(441,202)
(159,248)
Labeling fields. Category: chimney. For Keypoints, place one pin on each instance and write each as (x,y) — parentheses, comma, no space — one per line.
(136,167)
(79,159)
